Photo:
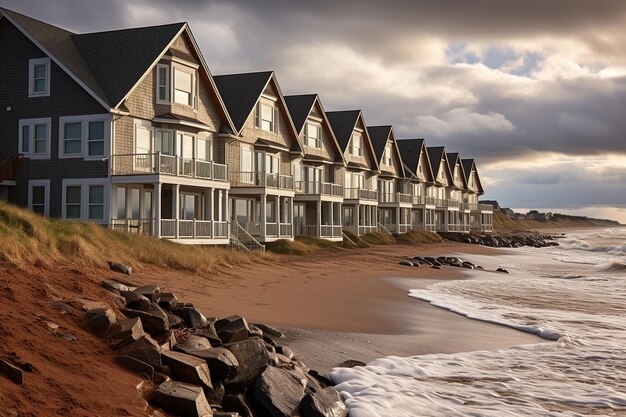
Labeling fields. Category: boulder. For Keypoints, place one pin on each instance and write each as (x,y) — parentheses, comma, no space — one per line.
(168,301)
(192,343)
(252,359)
(222,363)
(192,317)
(277,392)
(187,368)
(12,372)
(154,319)
(323,403)
(209,333)
(175,321)
(238,404)
(145,349)
(323,380)
(504,271)
(351,363)
(285,351)
(135,365)
(269,330)
(254,331)
(151,292)
(216,395)
(126,332)
(181,399)
(136,301)
(101,320)
(232,329)
(405,263)
(167,340)
(112,285)
(118,267)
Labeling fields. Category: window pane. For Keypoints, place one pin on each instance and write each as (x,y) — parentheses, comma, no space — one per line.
(96,131)
(39,209)
(134,195)
(182,80)
(121,203)
(202,152)
(73,211)
(39,195)
(25,139)
(72,195)
(40,71)
(96,148)
(96,212)
(40,132)
(143,141)
(182,97)
(73,130)
(40,146)
(40,85)
(72,146)
(163,76)
(96,194)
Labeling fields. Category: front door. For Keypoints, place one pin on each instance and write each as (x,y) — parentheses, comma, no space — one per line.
(299,219)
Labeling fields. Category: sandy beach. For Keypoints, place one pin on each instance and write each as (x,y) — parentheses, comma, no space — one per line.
(345,304)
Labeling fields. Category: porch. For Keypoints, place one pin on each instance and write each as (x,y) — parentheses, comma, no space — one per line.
(360,218)
(396,220)
(265,217)
(170,165)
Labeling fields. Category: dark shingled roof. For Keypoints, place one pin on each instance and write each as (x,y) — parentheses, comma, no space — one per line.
(299,107)
(342,123)
(453,158)
(119,58)
(379,136)
(435,153)
(467,165)
(240,92)
(410,152)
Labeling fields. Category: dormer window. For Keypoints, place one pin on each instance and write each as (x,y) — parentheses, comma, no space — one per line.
(177,83)
(313,135)
(184,87)
(356,145)
(387,155)
(163,83)
(266,116)
(39,77)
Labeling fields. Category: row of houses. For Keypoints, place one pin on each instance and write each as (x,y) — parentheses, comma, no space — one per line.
(128,128)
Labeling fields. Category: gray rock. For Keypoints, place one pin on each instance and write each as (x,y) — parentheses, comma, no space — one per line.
(238,404)
(232,329)
(223,414)
(64,307)
(254,331)
(320,378)
(216,395)
(145,349)
(181,399)
(351,363)
(187,368)
(101,320)
(113,285)
(405,263)
(168,301)
(135,365)
(154,319)
(192,343)
(277,392)
(192,317)
(175,321)
(136,301)
(222,363)
(12,372)
(118,267)
(125,332)
(269,330)
(252,353)
(151,292)
(323,403)
(285,351)
(209,333)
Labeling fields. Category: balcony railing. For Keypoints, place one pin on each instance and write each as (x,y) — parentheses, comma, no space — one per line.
(319,188)
(193,229)
(138,226)
(478,207)
(261,179)
(446,202)
(394,198)
(158,163)
(360,194)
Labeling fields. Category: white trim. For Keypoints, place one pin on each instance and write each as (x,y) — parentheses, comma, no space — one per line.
(269,96)
(31,77)
(182,123)
(39,183)
(84,120)
(194,88)
(84,184)
(31,123)
(168,86)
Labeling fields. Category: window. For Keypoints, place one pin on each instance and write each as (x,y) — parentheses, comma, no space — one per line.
(73,202)
(313,135)
(204,149)
(267,117)
(163,84)
(96,202)
(164,142)
(39,196)
(184,87)
(72,138)
(39,77)
(355,147)
(83,136)
(95,138)
(87,199)
(387,155)
(34,138)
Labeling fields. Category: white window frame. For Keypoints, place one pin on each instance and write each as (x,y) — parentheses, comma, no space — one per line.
(387,155)
(168,84)
(270,102)
(84,183)
(31,123)
(316,141)
(84,120)
(39,183)
(352,148)
(194,90)
(31,77)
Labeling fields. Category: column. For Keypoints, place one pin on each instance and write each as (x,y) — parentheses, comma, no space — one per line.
(157,209)
(398,219)
(176,206)
(263,216)
(278,215)
(210,209)
(318,217)
(357,220)
(332,219)
(291,215)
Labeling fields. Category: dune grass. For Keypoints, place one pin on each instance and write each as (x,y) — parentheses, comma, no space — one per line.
(501,223)
(301,245)
(27,239)
(415,237)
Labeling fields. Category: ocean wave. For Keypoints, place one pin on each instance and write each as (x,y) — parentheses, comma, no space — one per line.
(615,266)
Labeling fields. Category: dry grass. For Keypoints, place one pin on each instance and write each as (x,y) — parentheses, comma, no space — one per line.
(301,245)
(501,223)
(27,239)
(377,238)
(418,237)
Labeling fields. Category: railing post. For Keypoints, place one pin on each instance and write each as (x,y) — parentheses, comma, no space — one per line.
(193,230)
(158,163)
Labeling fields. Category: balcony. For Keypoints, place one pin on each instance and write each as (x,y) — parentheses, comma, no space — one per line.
(160,164)
(478,207)
(360,194)
(175,229)
(447,203)
(323,231)
(319,188)
(394,198)
(262,179)
(271,229)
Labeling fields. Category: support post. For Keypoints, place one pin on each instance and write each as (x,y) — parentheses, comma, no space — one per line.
(157,209)
(176,207)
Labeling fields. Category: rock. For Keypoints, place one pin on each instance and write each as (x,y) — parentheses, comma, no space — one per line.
(222,363)
(125,332)
(117,267)
(468,265)
(135,365)
(232,329)
(151,292)
(187,368)
(112,285)
(192,343)
(209,333)
(167,340)
(175,321)
(351,363)
(279,361)
(154,319)
(223,414)
(252,353)
(502,270)
(285,351)
(181,399)
(237,403)
(269,330)
(88,305)
(278,392)
(12,372)
(101,320)
(324,403)
(67,336)
(322,379)
(136,301)
(191,316)
(435,267)
(216,395)
(254,331)
(405,263)
(145,349)
(168,301)
(64,307)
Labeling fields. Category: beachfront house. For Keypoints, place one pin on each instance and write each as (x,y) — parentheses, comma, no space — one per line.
(318,175)
(260,157)
(446,208)
(457,193)
(481,215)
(360,202)
(122,128)
(394,198)
(417,166)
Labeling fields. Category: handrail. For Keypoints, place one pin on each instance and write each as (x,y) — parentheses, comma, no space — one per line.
(383,229)
(243,232)
(162,164)
(345,237)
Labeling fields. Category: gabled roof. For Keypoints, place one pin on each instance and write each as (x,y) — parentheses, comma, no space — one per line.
(436,154)
(300,106)
(343,123)
(379,136)
(468,165)
(453,159)
(410,151)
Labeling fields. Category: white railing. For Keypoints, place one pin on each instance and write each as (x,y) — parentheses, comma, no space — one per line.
(389,227)
(403,228)
(193,229)
(220,229)
(271,229)
(168,228)
(360,194)
(431,227)
(319,188)
(485,207)
(285,230)
(158,163)
(261,179)
(139,226)
(240,237)
(404,198)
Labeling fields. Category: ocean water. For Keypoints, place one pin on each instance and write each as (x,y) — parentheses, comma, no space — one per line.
(573,296)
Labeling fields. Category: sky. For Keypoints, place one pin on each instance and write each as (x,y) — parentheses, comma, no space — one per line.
(534,90)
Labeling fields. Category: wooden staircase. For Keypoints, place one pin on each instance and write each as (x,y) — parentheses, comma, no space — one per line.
(8,168)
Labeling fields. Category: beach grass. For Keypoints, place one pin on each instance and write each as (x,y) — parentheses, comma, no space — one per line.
(414,237)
